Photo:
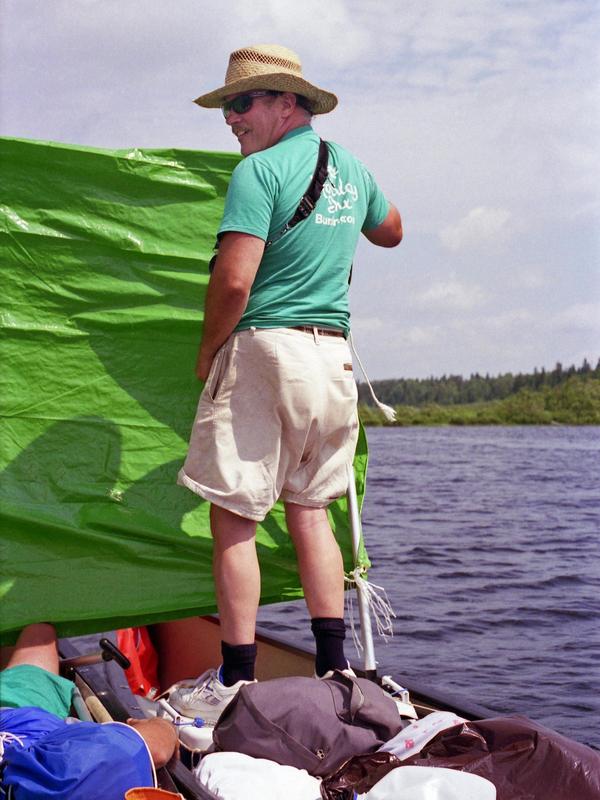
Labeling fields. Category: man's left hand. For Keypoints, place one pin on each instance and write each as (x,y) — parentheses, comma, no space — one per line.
(203,364)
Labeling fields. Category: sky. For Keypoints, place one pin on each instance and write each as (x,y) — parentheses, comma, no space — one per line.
(480,120)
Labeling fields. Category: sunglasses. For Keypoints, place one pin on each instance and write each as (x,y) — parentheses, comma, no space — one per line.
(243,102)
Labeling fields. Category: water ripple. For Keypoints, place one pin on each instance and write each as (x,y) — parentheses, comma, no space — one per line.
(487,542)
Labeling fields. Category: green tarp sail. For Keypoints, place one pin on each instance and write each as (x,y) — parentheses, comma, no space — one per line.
(104,270)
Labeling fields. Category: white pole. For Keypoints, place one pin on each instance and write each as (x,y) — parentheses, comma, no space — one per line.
(366,633)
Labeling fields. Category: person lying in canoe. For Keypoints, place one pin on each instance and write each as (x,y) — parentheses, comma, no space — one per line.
(46,755)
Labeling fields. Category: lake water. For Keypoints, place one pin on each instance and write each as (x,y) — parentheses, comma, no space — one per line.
(487,541)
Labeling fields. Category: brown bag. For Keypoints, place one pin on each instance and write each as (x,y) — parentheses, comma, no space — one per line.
(523,759)
(306,723)
(358,775)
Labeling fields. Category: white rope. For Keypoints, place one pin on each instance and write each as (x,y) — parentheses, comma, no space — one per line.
(6,737)
(387,411)
(375,597)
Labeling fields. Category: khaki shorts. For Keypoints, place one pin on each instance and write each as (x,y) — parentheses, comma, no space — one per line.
(277,420)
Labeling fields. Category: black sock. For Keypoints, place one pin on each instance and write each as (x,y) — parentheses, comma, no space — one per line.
(329,633)
(238,662)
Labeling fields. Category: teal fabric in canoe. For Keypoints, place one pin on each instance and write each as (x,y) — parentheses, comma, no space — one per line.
(104,260)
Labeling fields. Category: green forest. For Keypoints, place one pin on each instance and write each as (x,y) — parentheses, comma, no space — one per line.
(560,396)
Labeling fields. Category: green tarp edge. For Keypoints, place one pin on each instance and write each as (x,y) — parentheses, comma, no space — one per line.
(104,259)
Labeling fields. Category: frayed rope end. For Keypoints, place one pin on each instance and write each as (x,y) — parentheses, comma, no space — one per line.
(388,412)
(377,600)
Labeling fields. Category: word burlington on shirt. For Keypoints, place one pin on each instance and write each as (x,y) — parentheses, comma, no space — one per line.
(340,198)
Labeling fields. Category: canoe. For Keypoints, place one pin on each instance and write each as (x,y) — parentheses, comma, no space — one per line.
(187,648)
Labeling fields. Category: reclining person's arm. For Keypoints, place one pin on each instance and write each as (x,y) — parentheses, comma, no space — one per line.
(160,736)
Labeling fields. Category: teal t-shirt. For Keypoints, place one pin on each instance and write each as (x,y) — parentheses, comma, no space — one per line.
(28,685)
(303,277)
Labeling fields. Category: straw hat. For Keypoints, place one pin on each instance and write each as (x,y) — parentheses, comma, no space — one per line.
(268,66)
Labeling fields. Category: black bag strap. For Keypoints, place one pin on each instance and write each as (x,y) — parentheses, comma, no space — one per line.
(305,206)
(310,196)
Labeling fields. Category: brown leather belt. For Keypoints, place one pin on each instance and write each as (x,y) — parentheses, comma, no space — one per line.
(320,331)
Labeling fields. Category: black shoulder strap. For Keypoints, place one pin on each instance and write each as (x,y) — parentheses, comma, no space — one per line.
(306,204)
(310,196)
(315,187)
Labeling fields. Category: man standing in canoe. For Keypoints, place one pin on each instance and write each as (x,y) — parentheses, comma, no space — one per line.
(277,418)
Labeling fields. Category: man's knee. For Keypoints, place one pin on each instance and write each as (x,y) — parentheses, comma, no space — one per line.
(228,528)
(36,645)
(304,518)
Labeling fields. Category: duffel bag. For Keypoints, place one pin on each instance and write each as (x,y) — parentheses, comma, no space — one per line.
(307,723)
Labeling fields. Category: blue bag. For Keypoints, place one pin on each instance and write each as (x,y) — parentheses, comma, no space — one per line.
(79,761)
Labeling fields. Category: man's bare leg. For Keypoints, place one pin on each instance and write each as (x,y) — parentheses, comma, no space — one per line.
(36,645)
(319,560)
(237,581)
(237,585)
(322,575)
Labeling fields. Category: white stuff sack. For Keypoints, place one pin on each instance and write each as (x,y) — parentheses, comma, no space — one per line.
(236,776)
(430,783)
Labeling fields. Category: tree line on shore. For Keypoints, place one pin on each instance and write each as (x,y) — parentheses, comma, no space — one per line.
(565,396)
(456,390)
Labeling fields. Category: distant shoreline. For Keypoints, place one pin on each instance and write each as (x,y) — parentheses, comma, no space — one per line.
(575,402)
(458,423)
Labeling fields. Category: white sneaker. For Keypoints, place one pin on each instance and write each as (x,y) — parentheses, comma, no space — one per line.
(329,674)
(206,698)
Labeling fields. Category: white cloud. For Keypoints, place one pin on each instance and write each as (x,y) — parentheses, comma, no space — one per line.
(420,334)
(321,32)
(510,321)
(580,316)
(450,296)
(529,277)
(481,225)
(364,325)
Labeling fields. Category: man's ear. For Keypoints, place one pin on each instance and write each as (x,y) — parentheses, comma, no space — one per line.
(289,101)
